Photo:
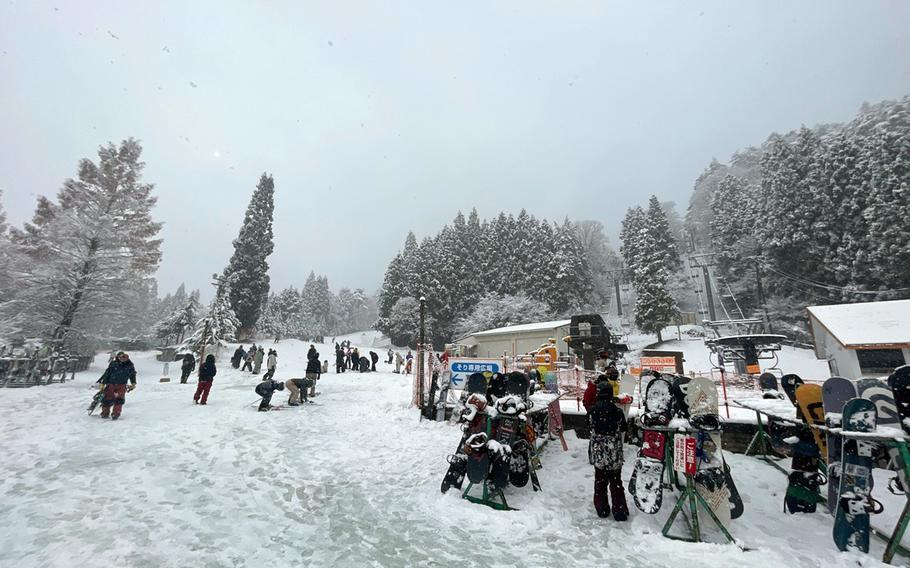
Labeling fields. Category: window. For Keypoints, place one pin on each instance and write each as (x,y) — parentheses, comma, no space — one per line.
(881,361)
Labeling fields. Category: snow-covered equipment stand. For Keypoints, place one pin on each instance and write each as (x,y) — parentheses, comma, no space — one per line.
(590,338)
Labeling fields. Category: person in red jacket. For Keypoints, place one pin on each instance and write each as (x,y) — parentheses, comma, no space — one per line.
(206,375)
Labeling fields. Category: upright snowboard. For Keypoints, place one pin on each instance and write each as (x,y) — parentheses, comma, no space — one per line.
(899,381)
(710,479)
(835,393)
(789,383)
(473,421)
(888,415)
(855,503)
(768,384)
(645,483)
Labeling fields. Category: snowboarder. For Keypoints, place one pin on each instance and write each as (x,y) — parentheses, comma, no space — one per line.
(257,360)
(189,363)
(391,354)
(271,364)
(339,360)
(265,389)
(607,426)
(118,373)
(298,388)
(399,361)
(206,375)
(374,357)
(313,372)
(239,355)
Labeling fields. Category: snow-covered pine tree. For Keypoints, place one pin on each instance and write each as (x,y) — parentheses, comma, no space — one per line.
(664,237)
(83,258)
(220,325)
(494,311)
(655,307)
(571,286)
(248,270)
(404,322)
(601,257)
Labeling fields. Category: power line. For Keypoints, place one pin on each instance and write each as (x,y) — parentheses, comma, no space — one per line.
(832,287)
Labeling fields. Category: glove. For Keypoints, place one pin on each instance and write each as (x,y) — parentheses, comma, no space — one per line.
(130,388)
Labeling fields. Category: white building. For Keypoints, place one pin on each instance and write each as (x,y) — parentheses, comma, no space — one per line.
(862,340)
(516,339)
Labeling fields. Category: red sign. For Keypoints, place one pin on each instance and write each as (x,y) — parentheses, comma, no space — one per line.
(659,364)
(684,455)
(556,422)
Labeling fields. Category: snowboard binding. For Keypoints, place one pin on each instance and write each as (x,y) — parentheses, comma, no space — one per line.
(855,505)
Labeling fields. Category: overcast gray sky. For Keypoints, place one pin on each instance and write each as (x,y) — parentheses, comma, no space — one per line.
(380,117)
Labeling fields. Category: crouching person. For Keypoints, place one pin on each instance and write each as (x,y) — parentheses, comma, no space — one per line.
(265,389)
(114,381)
(298,388)
(607,426)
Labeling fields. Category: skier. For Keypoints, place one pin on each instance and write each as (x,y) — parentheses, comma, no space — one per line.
(189,363)
(374,357)
(607,426)
(265,389)
(390,354)
(271,364)
(339,360)
(118,373)
(257,360)
(298,388)
(239,354)
(206,375)
(399,361)
(248,360)
(313,372)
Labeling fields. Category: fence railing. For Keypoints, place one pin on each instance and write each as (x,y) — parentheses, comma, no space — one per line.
(29,371)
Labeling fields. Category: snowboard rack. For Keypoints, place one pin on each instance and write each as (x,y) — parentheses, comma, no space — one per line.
(695,500)
(759,448)
(494,498)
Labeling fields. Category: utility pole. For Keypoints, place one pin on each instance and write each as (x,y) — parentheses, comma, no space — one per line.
(421,339)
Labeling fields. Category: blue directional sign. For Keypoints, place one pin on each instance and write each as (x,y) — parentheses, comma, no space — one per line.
(461,368)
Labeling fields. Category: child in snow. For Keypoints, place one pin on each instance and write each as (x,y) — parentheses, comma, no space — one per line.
(607,426)
(325,366)
(265,389)
(206,375)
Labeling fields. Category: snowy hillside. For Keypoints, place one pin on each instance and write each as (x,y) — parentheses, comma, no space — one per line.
(352,480)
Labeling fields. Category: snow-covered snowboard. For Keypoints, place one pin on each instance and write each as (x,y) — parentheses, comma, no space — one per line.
(887,413)
(789,383)
(855,502)
(710,478)
(507,426)
(647,477)
(835,393)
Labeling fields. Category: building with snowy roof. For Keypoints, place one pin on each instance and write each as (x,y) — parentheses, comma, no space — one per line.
(861,340)
(516,339)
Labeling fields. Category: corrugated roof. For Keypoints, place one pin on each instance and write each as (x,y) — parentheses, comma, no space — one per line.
(539,326)
(866,325)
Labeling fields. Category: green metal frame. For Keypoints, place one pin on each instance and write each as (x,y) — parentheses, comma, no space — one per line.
(694,499)
(894,545)
(489,498)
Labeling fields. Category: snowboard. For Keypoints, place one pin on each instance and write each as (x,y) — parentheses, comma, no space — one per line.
(809,402)
(710,478)
(507,426)
(645,485)
(881,395)
(96,400)
(679,385)
(789,383)
(470,457)
(835,393)
(767,382)
(855,503)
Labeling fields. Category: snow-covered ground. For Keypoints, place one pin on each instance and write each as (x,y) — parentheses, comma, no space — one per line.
(350,481)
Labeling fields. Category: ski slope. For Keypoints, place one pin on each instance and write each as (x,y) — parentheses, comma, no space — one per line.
(350,481)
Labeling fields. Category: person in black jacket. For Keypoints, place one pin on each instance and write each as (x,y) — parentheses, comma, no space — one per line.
(120,371)
(265,389)
(374,357)
(313,372)
(339,360)
(607,426)
(206,375)
(238,357)
(189,363)
(312,352)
